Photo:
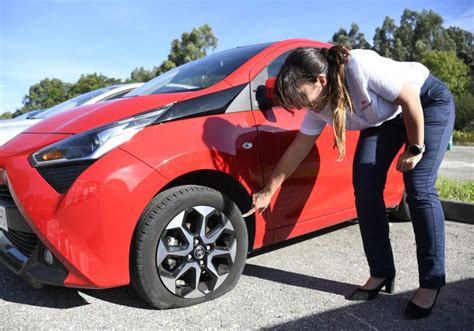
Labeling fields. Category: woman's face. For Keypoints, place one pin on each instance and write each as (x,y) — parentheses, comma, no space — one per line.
(313,91)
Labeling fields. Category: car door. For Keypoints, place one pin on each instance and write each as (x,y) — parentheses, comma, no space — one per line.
(321,185)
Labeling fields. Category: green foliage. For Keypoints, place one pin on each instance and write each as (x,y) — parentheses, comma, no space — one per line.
(463,137)
(5,116)
(464,112)
(384,38)
(352,39)
(449,68)
(421,37)
(49,92)
(46,93)
(140,75)
(417,34)
(464,44)
(192,46)
(455,190)
(164,67)
(91,82)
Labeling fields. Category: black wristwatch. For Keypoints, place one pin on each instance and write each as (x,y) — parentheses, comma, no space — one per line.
(416,149)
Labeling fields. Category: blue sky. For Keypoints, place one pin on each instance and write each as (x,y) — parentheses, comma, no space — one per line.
(66,38)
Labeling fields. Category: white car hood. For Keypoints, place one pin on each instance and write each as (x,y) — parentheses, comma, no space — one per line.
(11,128)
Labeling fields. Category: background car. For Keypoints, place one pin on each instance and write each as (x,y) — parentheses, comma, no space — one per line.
(150,189)
(27,115)
(12,127)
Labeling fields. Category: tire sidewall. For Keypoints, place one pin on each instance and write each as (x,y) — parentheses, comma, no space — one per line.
(163,208)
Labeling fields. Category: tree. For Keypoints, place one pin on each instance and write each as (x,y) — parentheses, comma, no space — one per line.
(192,46)
(165,66)
(341,37)
(6,115)
(418,34)
(406,35)
(431,35)
(464,44)
(140,74)
(384,38)
(464,112)
(45,94)
(91,82)
(452,70)
(50,92)
(352,39)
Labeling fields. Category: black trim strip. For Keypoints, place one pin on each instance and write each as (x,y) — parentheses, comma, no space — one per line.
(209,104)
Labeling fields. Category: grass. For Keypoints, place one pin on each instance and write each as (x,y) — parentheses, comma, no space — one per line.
(463,137)
(455,190)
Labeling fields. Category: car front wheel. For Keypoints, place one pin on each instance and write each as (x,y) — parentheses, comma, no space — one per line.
(190,246)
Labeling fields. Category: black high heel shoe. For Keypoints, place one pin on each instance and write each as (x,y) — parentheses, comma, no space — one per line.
(414,311)
(361,294)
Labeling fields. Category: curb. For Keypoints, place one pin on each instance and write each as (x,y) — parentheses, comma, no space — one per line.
(458,211)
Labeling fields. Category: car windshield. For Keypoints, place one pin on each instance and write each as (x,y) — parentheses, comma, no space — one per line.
(200,73)
(74,102)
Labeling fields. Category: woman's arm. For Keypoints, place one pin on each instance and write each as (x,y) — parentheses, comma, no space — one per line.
(294,154)
(412,112)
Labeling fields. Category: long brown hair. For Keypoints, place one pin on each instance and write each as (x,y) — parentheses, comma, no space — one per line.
(303,65)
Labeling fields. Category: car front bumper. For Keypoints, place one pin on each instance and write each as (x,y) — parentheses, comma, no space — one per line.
(88,230)
(32,268)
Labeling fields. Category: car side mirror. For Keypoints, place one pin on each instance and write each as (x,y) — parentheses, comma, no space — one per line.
(270,87)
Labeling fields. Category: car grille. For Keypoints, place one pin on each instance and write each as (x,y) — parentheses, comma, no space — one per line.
(24,241)
(61,177)
(5,193)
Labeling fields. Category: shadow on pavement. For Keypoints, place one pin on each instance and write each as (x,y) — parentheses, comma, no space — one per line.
(299,239)
(453,311)
(295,279)
(15,289)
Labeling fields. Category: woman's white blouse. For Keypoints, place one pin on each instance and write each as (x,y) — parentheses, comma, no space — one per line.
(373,83)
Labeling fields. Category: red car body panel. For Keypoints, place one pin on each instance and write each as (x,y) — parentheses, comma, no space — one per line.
(90,227)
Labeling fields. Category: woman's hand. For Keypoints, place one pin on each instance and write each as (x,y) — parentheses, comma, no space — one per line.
(407,161)
(260,200)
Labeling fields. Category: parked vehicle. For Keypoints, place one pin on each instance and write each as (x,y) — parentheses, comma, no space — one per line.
(150,189)
(25,116)
(12,127)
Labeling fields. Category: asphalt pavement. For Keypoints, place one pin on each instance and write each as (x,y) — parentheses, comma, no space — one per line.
(458,163)
(299,285)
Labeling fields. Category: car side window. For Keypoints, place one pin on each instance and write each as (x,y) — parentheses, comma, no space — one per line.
(274,67)
(259,101)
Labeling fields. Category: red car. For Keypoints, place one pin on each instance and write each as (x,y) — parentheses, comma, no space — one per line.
(151,188)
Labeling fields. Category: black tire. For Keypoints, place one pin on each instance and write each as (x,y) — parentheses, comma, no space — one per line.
(155,230)
(401,212)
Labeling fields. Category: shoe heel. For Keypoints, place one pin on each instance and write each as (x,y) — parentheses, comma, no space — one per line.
(390,286)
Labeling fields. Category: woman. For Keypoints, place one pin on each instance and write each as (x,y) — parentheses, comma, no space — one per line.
(392,103)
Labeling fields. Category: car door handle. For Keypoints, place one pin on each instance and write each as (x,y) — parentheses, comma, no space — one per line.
(247,145)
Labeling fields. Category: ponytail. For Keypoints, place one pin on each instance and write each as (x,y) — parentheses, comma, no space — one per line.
(337,96)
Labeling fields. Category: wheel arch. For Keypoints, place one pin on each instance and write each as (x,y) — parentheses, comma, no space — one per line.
(225,184)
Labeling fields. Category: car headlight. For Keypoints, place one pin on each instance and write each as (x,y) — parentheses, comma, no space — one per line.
(94,143)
